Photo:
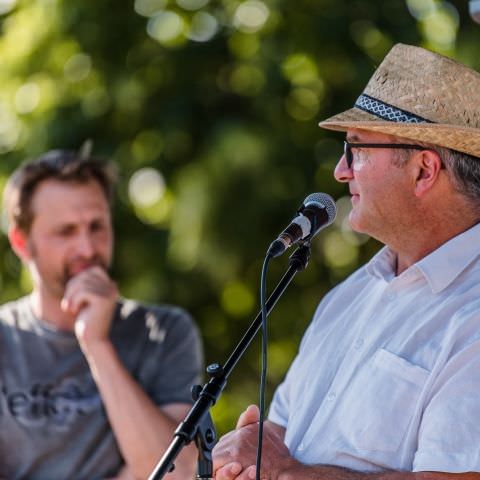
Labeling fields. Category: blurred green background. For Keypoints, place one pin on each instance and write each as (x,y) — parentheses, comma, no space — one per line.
(210,109)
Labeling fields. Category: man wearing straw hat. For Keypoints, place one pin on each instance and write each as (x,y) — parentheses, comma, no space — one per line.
(386,384)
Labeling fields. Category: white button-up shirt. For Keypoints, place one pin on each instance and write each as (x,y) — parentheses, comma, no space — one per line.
(388,372)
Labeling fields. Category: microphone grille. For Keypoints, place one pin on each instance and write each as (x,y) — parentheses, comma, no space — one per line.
(324,200)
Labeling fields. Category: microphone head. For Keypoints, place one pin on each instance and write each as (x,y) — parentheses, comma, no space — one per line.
(474,9)
(323,201)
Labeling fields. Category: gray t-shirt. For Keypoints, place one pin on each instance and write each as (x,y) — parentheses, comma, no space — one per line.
(52,422)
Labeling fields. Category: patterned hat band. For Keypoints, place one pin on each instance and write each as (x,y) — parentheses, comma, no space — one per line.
(387,112)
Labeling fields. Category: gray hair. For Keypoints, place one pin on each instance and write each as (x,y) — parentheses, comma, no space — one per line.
(463,169)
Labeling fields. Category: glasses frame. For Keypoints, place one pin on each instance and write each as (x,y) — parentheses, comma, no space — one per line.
(347,148)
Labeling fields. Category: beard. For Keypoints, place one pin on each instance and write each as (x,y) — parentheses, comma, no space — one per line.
(56,283)
(77,265)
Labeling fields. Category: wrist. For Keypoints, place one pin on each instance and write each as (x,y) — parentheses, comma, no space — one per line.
(292,469)
(96,349)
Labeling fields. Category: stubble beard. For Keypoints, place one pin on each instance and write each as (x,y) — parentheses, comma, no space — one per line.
(57,285)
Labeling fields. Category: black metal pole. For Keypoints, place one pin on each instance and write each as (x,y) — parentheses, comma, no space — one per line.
(212,390)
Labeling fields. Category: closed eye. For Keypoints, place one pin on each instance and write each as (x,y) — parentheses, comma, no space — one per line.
(66,230)
(97,226)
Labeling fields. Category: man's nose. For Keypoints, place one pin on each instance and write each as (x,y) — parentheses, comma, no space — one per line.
(85,245)
(343,173)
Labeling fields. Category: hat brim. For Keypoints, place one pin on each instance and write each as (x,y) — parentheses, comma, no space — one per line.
(462,139)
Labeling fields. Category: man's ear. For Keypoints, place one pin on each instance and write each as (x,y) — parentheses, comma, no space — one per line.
(18,241)
(428,165)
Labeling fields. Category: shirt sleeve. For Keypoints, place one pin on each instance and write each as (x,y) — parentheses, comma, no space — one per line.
(449,434)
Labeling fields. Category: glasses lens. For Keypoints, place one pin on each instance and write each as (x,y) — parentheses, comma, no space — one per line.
(348,154)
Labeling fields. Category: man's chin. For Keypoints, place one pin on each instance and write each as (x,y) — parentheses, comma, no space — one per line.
(355,222)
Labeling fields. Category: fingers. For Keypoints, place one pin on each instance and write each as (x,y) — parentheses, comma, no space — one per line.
(86,287)
(229,471)
(249,416)
(248,474)
(234,471)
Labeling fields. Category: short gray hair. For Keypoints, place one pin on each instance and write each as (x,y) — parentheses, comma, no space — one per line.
(464,169)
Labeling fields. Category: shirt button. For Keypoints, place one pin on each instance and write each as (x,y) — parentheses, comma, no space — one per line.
(301,446)
(391,296)
(331,396)
(359,343)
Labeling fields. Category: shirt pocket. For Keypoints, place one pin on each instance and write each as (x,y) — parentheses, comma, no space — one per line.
(380,402)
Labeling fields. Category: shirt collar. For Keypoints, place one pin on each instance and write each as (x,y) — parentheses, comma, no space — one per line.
(383,264)
(441,267)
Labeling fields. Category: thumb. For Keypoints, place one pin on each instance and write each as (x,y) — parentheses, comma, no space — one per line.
(250,415)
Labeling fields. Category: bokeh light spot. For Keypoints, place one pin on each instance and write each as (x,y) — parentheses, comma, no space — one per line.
(440,27)
(9,129)
(192,4)
(300,69)
(344,207)
(27,98)
(243,45)
(96,102)
(147,8)
(77,67)
(420,8)
(7,6)
(247,80)
(338,252)
(370,38)
(159,213)
(302,104)
(147,146)
(167,28)
(146,187)
(251,16)
(203,27)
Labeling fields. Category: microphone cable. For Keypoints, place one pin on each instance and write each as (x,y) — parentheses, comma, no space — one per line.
(263,377)
(318,210)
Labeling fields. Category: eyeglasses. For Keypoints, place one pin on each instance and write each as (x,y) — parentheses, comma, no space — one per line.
(349,154)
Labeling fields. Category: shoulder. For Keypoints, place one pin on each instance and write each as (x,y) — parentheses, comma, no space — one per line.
(129,308)
(11,312)
(347,289)
(159,320)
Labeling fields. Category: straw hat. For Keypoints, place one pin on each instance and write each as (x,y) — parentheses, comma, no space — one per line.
(419,95)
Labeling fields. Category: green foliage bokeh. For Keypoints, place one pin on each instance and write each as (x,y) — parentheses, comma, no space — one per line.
(210,110)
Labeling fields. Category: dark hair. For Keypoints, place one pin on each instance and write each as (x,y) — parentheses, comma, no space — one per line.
(62,165)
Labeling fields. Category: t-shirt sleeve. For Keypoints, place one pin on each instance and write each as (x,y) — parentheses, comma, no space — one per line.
(173,359)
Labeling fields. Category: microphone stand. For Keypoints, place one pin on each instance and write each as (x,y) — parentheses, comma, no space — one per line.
(198,423)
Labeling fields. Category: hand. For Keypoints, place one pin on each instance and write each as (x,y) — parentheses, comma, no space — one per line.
(91,297)
(234,456)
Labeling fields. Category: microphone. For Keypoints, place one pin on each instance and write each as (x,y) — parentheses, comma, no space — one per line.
(317,211)
(474,9)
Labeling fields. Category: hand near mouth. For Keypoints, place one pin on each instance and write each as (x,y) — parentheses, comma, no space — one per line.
(91,297)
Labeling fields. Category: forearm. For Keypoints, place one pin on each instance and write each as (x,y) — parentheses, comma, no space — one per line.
(327,472)
(142,430)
